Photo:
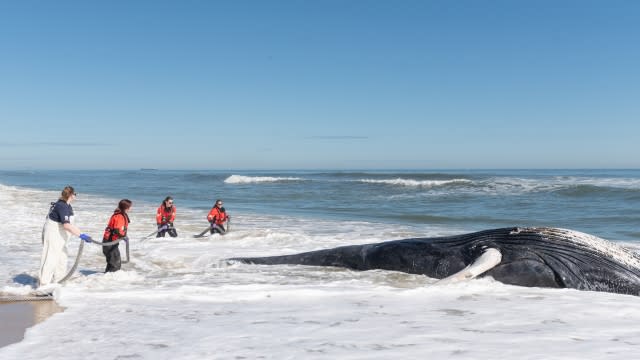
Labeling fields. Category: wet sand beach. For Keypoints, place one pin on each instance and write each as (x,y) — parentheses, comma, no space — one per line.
(16,317)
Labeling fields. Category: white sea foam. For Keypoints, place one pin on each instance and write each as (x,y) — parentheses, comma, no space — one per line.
(507,185)
(415,183)
(174,301)
(622,183)
(240,179)
(523,185)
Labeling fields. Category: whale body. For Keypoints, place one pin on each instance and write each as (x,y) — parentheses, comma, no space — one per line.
(524,256)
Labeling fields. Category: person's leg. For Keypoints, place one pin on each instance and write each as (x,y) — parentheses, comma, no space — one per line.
(52,250)
(218,229)
(61,267)
(106,250)
(116,262)
(47,263)
(112,256)
(173,232)
(160,234)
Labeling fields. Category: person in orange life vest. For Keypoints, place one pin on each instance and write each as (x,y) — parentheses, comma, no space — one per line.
(165,216)
(217,218)
(116,229)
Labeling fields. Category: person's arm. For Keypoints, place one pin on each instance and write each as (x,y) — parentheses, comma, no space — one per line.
(64,213)
(159,216)
(118,226)
(211,217)
(173,214)
(72,229)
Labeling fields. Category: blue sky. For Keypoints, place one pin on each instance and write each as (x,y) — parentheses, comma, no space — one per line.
(319,84)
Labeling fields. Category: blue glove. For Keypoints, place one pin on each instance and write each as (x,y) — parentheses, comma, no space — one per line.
(86,238)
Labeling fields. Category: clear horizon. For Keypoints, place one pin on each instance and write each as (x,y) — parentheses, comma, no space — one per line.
(322,169)
(319,85)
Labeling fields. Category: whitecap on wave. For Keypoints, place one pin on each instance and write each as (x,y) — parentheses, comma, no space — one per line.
(417,183)
(240,179)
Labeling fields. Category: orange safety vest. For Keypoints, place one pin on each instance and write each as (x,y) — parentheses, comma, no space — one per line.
(117,227)
(217,215)
(165,215)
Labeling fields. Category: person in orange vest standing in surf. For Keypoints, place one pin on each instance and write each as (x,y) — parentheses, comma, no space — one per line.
(165,216)
(116,229)
(217,218)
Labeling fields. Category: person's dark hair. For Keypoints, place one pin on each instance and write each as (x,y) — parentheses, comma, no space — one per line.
(164,202)
(124,204)
(67,192)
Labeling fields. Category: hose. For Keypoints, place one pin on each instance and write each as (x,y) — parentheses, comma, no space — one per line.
(209,229)
(150,235)
(110,243)
(14,298)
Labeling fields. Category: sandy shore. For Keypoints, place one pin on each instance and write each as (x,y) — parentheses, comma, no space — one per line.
(16,317)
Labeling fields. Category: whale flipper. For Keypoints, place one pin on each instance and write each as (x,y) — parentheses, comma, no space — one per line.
(487,261)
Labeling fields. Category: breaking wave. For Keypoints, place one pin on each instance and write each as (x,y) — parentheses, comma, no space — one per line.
(415,183)
(240,179)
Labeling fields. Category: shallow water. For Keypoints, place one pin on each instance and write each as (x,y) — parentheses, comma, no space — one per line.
(177,299)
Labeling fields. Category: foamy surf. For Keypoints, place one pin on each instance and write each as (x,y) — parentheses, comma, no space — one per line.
(175,300)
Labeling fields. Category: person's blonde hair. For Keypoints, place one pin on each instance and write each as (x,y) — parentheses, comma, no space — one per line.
(67,192)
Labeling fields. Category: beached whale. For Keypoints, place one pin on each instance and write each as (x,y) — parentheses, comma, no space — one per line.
(536,257)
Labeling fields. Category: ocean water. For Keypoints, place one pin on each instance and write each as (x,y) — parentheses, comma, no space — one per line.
(177,299)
